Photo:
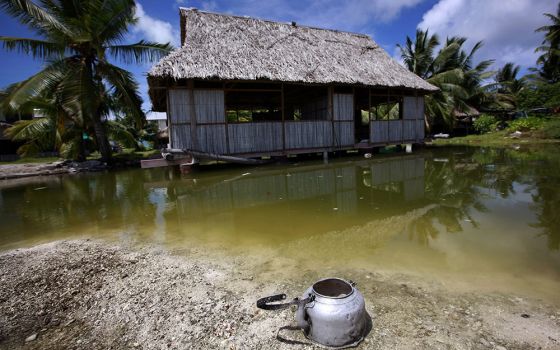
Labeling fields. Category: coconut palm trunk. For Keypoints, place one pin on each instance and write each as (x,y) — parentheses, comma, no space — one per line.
(102,141)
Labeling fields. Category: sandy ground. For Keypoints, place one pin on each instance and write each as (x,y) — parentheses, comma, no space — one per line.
(92,295)
(16,171)
(26,170)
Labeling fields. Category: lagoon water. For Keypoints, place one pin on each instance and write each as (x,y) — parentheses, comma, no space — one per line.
(472,219)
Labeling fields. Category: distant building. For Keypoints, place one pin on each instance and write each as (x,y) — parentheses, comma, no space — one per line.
(158,117)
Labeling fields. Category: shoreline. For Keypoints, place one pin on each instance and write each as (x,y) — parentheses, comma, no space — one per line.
(94,295)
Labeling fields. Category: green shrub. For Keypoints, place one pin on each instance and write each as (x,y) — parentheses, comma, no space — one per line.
(552,129)
(525,124)
(485,123)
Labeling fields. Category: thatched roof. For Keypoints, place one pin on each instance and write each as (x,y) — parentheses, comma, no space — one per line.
(226,47)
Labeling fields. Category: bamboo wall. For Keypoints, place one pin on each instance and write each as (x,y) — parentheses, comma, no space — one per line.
(197,121)
(409,129)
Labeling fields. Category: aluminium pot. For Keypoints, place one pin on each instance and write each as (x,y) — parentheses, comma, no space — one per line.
(331,312)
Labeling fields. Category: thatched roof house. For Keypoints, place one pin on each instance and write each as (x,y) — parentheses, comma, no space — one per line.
(302,74)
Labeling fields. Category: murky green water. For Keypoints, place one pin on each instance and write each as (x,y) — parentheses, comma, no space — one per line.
(473,219)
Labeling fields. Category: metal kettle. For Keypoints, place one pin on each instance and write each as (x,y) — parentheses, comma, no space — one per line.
(331,312)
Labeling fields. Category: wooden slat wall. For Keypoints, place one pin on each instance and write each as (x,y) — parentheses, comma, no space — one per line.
(181,136)
(395,130)
(408,129)
(378,131)
(209,106)
(420,130)
(343,117)
(255,137)
(179,102)
(410,107)
(308,134)
(343,107)
(212,138)
(267,137)
(343,134)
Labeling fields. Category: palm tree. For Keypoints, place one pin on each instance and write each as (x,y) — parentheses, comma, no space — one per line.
(550,48)
(452,70)
(507,86)
(77,37)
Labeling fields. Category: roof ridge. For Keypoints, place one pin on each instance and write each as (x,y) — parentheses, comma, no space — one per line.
(194,9)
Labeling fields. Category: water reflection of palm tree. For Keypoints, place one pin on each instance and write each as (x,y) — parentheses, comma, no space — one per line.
(454,185)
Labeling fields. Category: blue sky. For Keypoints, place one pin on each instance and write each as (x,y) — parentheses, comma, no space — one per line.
(506,26)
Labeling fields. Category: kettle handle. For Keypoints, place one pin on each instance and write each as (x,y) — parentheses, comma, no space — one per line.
(301,313)
(265,303)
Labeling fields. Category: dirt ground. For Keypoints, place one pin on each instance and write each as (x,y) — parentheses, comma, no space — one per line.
(93,295)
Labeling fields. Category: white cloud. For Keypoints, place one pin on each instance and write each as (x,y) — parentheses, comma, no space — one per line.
(153,29)
(507,28)
(352,15)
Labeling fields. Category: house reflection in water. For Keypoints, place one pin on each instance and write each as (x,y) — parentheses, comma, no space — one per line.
(291,200)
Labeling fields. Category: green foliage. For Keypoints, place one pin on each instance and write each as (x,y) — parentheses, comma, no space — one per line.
(485,123)
(549,60)
(540,94)
(76,38)
(552,129)
(451,69)
(525,124)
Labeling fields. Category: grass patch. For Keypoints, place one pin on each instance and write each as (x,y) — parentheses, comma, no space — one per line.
(533,131)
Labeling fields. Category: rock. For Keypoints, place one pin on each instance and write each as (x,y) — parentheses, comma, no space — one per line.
(32,337)
(516,134)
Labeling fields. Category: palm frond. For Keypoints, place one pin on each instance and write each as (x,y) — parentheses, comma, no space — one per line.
(141,52)
(119,15)
(23,130)
(119,133)
(125,90)
(45,80)
(34,16)
(37,48)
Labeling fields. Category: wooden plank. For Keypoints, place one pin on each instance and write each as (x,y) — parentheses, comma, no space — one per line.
(255,137)
(395,130)
(343,133)
(409,130)
(308,134)
(180,136)
(162,162)
(379,131)
(179,102)
(212,138)
(343,107)
(420,130)
(410,107)
(210,106)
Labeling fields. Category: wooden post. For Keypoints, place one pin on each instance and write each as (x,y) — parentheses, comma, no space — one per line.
(331,113)
(194,136)
(169,124)
(370,126)
(226,120)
